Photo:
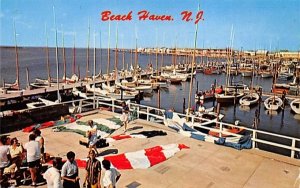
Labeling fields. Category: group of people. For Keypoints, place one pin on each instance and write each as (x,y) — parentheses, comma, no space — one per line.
(70,173)
(13,155)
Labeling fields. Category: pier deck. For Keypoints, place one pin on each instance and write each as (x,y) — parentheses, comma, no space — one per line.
(203,165)
(62,86)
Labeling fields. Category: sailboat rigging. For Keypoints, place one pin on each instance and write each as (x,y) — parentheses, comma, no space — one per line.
(193,62)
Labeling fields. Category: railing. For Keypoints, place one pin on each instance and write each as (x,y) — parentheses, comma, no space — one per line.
(157,113)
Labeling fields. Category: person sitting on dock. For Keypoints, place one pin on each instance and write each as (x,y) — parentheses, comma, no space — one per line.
(16,152)
(201,108)
(92,136)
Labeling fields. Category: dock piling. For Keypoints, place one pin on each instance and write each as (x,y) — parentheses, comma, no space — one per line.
(183,106)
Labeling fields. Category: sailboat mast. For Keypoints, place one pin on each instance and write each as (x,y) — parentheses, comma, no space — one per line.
(123,55)
(94,72)
(162,53)
(87,53)
(47,55)
(17,59)
(156,55)
(229,60)
(135,58)
(162,59)
(74,59)
(64,57)
(193,62)
(56,58)
(100,46)
(131,57)
(116,54)
(108,50)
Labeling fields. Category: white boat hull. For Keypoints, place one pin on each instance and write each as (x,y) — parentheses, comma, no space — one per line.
(246,74)
(295,106)
(249,99)
(273,103)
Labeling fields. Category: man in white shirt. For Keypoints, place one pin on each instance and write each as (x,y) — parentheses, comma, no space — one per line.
(69,172)
(33,154)
(111,175)
(52,176)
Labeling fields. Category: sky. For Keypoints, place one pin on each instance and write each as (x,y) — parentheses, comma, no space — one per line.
(254,24)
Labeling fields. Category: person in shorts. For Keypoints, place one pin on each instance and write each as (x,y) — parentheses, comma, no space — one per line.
(33,154)
(92,136)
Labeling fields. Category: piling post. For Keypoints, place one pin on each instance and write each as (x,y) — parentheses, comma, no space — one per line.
(148,111)
(235,96)
(158,97)
(97,104)
(27,78)
(183,106)
(253,139)
(259,103)
(139,98)
(121,94)
(113,105)
(293,147)
(218,112)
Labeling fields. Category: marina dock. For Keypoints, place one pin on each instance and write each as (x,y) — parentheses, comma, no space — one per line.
(202,165)
(62,86)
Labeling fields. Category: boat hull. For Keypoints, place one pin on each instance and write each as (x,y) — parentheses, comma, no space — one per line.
(295,106)
(273,103)
(222,98)
(249,99)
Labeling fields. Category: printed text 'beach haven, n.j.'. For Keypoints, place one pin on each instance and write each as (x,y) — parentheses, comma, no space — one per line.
(144,15)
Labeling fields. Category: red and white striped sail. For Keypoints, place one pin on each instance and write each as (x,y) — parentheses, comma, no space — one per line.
(142,159)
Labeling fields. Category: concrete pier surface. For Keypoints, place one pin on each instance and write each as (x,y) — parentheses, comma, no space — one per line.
(202,165)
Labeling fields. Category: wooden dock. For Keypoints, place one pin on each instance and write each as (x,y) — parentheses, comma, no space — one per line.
(27,93)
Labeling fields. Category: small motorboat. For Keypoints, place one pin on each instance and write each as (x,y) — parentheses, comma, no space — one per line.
(228,98)
(249,99)
(208,94)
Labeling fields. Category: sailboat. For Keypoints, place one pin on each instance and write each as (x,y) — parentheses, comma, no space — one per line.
(74,77)
(252,97)
(249,99)
(231,92)
(14,87)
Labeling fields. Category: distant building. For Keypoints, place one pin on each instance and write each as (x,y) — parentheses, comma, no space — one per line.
(288,55)
(262,53)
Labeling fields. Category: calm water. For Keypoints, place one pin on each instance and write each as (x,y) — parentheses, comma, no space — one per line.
(285,122)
